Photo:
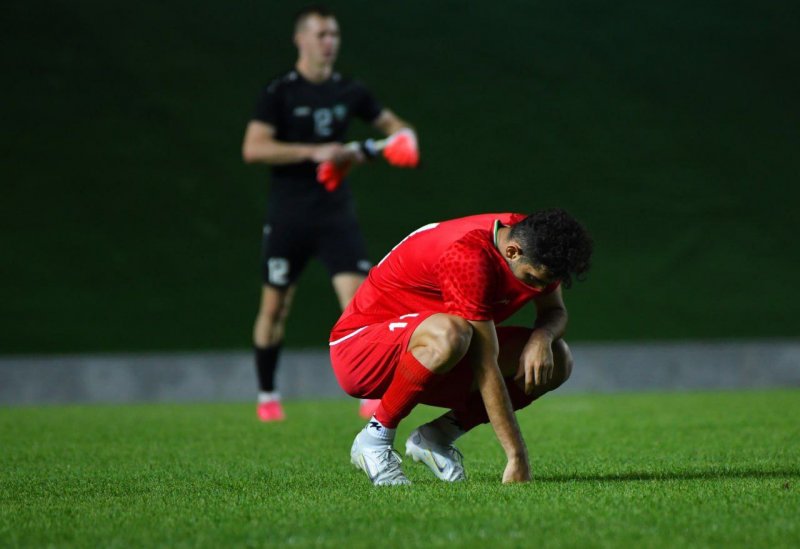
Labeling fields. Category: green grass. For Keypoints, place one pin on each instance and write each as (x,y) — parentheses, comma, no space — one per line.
(701,469)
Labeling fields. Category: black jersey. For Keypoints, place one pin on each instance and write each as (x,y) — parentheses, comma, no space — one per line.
(303,112)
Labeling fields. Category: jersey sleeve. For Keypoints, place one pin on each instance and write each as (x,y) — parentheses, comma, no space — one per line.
(467,279)
(268,105)
(367,108)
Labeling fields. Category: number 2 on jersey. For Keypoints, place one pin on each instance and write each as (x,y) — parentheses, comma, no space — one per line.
(323,118)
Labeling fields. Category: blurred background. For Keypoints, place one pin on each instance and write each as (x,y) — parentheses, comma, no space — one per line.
(130,224)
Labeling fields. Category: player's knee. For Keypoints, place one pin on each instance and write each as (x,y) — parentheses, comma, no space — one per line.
(273,313)
(269,325)
(564,362)
(451,338)
(459,336)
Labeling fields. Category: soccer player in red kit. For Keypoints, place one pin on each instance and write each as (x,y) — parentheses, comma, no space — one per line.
(422,329)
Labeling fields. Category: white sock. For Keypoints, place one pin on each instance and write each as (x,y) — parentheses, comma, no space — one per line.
(376,433)
(443,430)
(264,396)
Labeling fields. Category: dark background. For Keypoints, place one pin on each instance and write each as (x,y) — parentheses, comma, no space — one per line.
(671,129)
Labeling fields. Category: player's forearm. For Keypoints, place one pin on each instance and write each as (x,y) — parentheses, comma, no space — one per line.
(389,123)
(501,415)
(551,324)
(395,126)
(484,350)
(276,152)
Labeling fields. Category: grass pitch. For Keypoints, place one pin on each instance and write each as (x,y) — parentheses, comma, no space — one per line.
(655,470)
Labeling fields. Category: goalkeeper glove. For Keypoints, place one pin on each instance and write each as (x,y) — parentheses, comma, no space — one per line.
(330,175)
(401,149)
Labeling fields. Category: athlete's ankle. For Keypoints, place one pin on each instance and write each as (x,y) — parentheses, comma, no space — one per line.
(444,430)
(268,396)
(375,433)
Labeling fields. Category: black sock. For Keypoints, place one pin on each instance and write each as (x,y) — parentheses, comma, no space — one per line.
(266,365)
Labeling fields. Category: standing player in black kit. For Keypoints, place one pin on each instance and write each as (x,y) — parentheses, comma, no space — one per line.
(298,127)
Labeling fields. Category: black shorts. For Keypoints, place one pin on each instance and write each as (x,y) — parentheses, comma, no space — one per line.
(288,243)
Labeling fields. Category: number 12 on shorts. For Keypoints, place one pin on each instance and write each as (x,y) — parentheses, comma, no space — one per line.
(278,270)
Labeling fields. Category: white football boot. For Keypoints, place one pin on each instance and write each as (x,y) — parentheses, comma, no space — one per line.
(446,462)
(381,463)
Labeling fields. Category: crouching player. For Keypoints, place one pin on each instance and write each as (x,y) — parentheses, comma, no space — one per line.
(422,329)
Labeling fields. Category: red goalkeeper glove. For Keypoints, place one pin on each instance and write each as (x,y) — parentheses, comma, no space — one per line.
(401,149)
(330,175)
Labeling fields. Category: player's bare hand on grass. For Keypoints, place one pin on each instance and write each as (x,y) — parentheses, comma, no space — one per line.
(517,470)
(536,364)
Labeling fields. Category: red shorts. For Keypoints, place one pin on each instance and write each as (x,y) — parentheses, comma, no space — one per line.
(365,359)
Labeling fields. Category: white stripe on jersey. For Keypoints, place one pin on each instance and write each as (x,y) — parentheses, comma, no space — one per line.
(348,336)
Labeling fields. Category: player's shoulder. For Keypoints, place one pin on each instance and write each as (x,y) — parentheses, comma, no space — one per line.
(476,233)
(283,80)
(347,82)
(476,239)
(487,219)
(292,79)
(474,246)
(468,256)
(512,218)
(485,222)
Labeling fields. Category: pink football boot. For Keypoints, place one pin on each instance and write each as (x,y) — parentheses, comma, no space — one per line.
(271,410)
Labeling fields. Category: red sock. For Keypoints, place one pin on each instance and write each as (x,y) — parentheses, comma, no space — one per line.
(474,413)
(410,380)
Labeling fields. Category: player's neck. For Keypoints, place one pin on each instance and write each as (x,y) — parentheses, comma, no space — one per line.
(501,238)
(312,72)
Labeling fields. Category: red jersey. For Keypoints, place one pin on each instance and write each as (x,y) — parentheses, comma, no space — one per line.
(450,267)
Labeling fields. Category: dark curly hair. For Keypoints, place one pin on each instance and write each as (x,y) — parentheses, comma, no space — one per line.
(553,239)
